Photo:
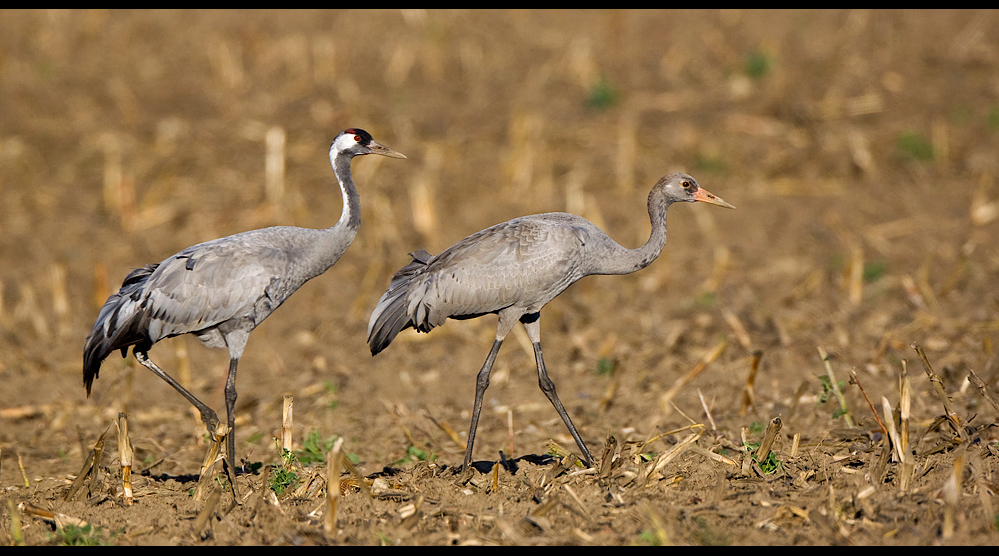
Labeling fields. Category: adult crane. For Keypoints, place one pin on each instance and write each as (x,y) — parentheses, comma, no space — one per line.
(513,269)
(222,289)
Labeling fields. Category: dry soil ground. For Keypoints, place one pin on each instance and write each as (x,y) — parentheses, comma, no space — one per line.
(860,148)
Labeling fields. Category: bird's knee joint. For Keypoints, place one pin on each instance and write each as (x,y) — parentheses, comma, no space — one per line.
(547,386)
(210,419)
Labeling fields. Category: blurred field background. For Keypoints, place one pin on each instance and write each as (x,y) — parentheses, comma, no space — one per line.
(860,148)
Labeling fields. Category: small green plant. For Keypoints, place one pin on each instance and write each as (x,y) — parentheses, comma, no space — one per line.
(419,454)
(414,454)
(992,118)
(649,537)
(770,464)
(914,146)
(255,437)
(314,449)
(74,535)
(757,64)
(283,477)
(605,366)
(602,95)
(707,299)
(827,389)
(287,457)
(873,270)
(757,427)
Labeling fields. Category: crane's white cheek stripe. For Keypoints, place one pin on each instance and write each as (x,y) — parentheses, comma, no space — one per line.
(344,142)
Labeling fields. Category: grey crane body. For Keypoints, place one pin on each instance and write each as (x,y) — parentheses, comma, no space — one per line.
(521,264)
(222,289)
(218,288)
(513,269)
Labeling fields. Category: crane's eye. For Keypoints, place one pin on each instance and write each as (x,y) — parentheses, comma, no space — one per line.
(357,138)
(685,184)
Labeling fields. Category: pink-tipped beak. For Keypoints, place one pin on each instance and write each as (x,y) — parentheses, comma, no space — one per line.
(708,197)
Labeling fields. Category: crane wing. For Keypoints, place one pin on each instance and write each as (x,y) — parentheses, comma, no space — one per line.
(213,282)
(525,261)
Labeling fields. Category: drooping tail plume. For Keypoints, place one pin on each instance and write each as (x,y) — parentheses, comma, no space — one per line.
(390,315)
(121,323)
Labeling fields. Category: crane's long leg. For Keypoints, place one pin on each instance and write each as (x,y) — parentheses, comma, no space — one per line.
(507,320)
(235,340)
(532,324)
(208,417)
(230,408)
(481,383)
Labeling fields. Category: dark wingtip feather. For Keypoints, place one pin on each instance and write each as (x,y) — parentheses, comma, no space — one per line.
(120,335)
(93,355)
(389,322)
(377,348)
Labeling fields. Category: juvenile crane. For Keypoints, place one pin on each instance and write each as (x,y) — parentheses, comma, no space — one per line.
(513,269)
(222,289)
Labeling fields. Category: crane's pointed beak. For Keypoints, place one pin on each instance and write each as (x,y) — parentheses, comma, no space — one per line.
(378,148)
(708,197)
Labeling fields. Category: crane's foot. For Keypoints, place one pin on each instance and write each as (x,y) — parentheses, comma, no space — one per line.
(216,439)
(218,431)
(212,422)
(212,463)
(464,474)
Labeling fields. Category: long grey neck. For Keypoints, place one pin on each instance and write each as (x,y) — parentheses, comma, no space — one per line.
(335,240)
(350,218)
(626,261)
